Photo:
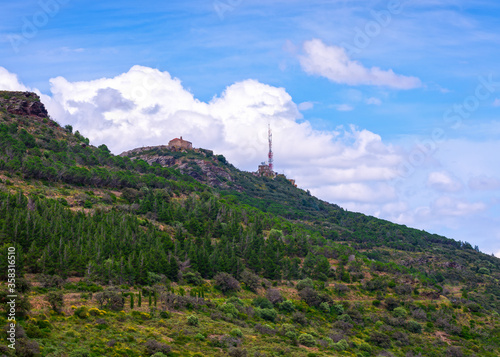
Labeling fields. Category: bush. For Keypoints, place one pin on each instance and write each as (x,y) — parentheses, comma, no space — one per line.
(268,314)
(192,320)
(274,296)
(325,307)
(310,296)
(299,318)
(306,283)
(230,310)
(226,283)
(251,281)
(342,345)
(81,312)
(236,332)
(414,326)
(265,329)
(153,347)
(56,300)
(307,340)
(287,306)
(237,352)
(192,278)
(262,302)
(337,309)
(391,303)
(110,299)
(400,312)
(380,339)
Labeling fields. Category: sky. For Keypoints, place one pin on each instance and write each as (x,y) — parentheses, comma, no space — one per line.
(389,108)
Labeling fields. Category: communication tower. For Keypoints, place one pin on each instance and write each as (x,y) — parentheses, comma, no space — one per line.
(270,149)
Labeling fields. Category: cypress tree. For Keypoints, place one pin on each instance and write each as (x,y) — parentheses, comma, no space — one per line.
(139,302)
(131,301)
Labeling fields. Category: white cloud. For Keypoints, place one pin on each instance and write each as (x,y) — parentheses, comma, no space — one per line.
(442,181)
(373,101)
(496,102)
(448,206)
(305,106)
(148,107)
(484,183)
(332,62)
(9,81)
(344,107)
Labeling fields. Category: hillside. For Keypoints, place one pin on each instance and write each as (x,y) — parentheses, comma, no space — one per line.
(162,252)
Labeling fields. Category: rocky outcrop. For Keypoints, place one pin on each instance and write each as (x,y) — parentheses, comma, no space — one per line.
(23,103)
(205,168)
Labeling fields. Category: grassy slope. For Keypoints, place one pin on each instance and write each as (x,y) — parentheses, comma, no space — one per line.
(412,251)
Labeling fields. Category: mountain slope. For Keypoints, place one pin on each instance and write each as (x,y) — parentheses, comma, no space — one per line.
(170,227)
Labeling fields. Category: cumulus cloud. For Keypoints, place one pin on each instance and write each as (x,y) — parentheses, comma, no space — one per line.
(9,81)
(332,62)
(443,181)
(145,106)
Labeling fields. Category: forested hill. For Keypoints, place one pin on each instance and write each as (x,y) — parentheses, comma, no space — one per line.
(174,222)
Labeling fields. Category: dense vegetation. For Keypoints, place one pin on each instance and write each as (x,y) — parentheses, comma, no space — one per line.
(117,257)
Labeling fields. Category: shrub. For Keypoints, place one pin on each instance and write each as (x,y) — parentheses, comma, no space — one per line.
(342,345)
(153,347)
(376,303)
(345,318)
(337,309)
(230,310)
(307,340)
(391,303)
(274,296)
(199,337)
(310,296)
(299,318)
(192,320)
(56,300)
(287,306)
(25,347)
(268,314)
(265,329)
(236,332)
(251,281)
(237,352)
(226,283)
(400,312)
(192,278)
(51,281)
(325,307)
(262,302)
(111,299)
(81,312)
(380,339)
(306,283)
(414,326)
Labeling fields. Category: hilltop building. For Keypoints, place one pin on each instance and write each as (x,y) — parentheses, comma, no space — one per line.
(180,144)
(265,170)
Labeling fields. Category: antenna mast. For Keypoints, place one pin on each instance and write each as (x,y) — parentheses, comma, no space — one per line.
(270,149)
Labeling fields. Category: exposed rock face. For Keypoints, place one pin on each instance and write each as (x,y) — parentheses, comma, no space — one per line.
(203,170)
(23,103)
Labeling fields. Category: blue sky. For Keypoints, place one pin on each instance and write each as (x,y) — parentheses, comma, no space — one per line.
(355,91)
